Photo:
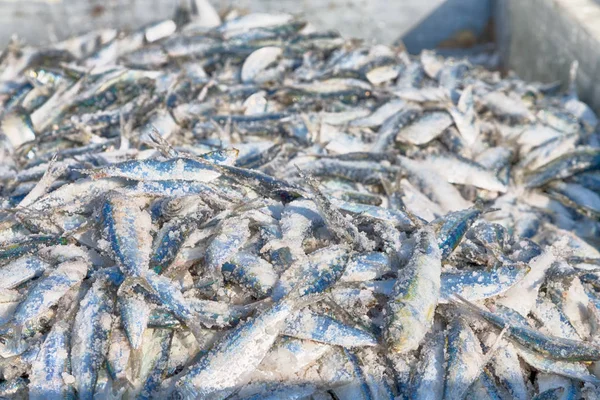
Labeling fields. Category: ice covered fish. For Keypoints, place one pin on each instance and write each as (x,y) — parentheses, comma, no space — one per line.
(243,206)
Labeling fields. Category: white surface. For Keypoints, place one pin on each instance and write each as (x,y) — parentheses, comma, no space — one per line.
(39,21)
(540,39)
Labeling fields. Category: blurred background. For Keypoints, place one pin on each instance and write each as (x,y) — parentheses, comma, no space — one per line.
(536,38)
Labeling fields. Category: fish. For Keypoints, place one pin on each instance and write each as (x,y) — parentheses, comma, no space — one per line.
(158,367)
(46,380)
(580,159)
(257,62)
(252,272)
(256,337)
(452,227)
(243,205)
(458,170)
(481,284)
(49,290)
(410,316)
(427,381)
(551,346)
(149,170)
(392,126)
(91,330)
(118,356)
(506,367)
(465,359)
(232,236)
(315,274)
(555,393)
(425,128)
(21,270)
(126,230)
(326,330)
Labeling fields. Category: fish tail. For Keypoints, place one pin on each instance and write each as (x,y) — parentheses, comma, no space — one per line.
(464,304)
(121,384)
(417,221)
(135,363)
(197,329)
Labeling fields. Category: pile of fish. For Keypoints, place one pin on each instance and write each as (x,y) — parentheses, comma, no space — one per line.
(250,208)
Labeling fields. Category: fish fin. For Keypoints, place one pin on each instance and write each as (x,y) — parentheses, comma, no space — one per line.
(463,304)
(417,221)
(479,205)
(388,187)
(159,143)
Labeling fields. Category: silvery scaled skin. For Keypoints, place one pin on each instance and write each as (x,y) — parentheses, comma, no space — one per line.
(412,304)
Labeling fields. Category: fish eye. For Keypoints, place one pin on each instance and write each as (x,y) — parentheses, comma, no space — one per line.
(177,396)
